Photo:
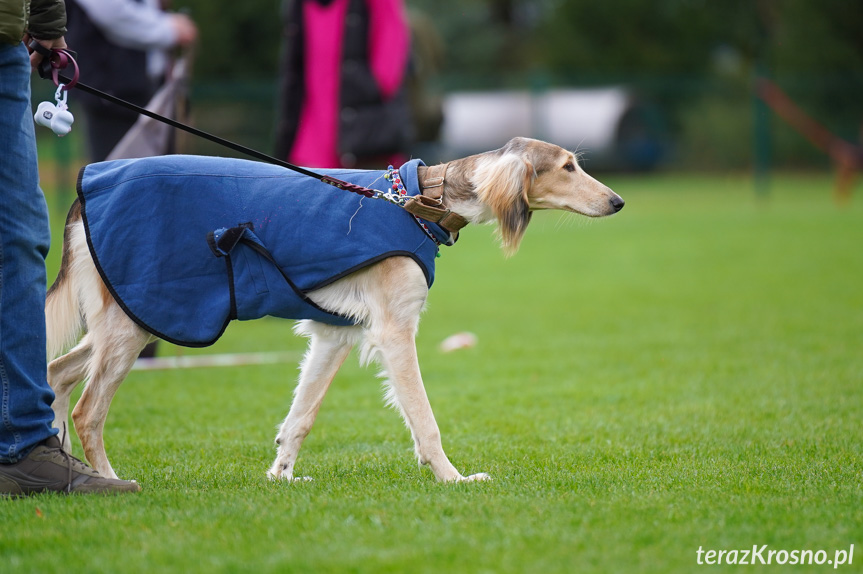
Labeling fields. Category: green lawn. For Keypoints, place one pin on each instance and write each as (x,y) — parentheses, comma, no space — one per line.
(687,374)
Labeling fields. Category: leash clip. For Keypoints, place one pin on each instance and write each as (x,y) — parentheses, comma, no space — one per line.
(60,96)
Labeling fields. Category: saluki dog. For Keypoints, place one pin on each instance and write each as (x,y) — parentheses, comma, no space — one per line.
(384,299)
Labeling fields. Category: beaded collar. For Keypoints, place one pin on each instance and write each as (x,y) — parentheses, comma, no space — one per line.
(398,195)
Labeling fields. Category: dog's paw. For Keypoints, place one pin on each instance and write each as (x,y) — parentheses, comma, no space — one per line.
(277,471)
(281,471)
(480,476)
(278,476)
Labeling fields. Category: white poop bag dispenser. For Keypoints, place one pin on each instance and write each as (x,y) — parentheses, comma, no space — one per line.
(56,116)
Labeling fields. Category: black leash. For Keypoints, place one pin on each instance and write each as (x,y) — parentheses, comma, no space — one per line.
(55,60)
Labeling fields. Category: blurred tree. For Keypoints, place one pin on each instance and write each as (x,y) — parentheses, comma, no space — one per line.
(238,40)
(571,40)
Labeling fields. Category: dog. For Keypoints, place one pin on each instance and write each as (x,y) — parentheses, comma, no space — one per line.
(382,301)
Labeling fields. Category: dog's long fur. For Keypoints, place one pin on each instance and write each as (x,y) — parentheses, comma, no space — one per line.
(385,300)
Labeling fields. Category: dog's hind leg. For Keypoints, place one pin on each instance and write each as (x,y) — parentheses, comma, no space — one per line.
(328,348)
(116,342)
(64,374)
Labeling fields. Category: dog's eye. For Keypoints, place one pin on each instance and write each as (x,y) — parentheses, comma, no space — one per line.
(569,166)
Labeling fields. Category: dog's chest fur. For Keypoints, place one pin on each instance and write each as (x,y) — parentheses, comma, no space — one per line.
(148,222)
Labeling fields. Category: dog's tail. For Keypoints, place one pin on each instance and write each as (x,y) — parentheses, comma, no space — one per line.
(63,319)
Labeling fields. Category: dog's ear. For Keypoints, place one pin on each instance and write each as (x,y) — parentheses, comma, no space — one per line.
(502,183)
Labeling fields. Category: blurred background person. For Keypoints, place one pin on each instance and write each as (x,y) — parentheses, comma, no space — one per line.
(123,50)
(343,100)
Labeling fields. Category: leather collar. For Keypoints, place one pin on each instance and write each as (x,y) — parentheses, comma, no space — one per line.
(432,184)
(429,205)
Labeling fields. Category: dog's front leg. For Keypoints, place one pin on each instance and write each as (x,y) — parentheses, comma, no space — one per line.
(398,352)
(328,348)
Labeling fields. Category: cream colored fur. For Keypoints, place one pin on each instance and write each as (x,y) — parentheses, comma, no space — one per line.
(386,300)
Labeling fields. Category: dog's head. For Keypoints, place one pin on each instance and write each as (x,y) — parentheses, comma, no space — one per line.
(526,175)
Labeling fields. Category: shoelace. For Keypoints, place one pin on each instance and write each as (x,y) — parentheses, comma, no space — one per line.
(71,461)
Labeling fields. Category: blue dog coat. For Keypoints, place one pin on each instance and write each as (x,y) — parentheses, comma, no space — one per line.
(185,244)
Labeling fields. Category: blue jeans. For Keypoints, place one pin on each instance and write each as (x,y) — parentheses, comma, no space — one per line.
(25,397)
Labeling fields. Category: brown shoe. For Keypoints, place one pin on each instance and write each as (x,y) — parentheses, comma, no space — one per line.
(48,468)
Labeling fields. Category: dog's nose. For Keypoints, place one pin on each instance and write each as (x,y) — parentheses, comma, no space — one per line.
(617,203)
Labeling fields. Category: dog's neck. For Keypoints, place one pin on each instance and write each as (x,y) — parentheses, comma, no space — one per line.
(451,184)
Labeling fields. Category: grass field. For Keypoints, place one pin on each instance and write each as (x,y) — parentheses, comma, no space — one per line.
(688,374)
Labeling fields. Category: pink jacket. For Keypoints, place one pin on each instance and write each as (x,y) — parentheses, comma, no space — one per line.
(316,141)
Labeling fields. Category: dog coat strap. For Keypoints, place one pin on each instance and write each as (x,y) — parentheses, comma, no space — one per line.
(223,241)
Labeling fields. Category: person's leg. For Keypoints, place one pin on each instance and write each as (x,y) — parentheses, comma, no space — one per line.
(25,397)
(32,459)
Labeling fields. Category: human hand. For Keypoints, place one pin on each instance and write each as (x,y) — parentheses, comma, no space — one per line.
(185,29)
(35,57)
